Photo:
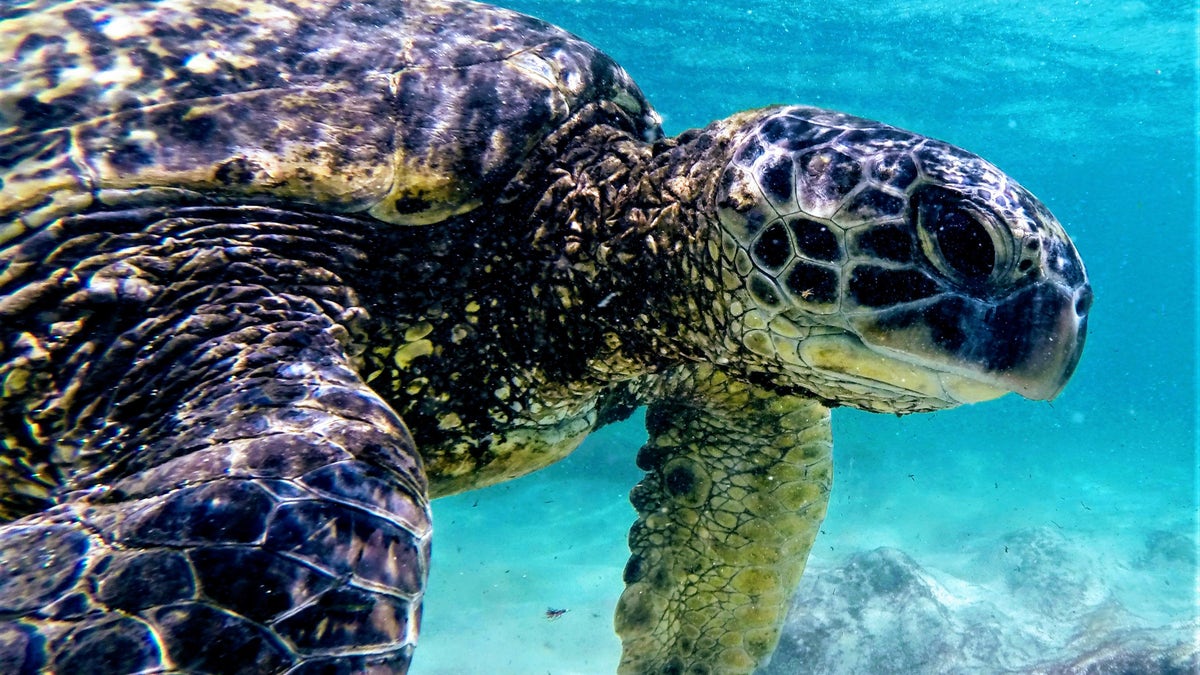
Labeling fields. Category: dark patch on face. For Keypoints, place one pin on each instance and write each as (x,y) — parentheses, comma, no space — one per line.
(749,152)
(146,61)
(33,42)
(12,12)
(776,179)
(1018,328)
(130,156)
(224,80)
(882,287)
(61,112)
(764,291)
(416,99)
(1032,206)
(815,240)
(945,320)
(872,204)
(829,175)
(813,283)
(175,123)
(405,205)
(99,47)
(880,137)
(680,481)
(1061,258)
(794,134)
(896,170)
(11,153)
(199,128)
(217,17)
(79,19)
(773,249)
(238,171)
(888,242)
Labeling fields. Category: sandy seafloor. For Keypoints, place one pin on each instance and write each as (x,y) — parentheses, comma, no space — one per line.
(1050,527)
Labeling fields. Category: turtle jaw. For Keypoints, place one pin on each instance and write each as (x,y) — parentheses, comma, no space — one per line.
(893,376)
(1029,343)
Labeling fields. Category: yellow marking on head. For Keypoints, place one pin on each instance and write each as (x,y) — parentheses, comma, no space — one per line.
(412,351)
(201,64)
(969,391)
(759,342)
(418,331)
(846,355)
(122,72)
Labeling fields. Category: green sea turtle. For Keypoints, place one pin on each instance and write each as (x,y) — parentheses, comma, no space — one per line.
(275,273)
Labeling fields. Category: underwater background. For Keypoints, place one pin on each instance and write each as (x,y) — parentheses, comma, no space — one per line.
(1003,537)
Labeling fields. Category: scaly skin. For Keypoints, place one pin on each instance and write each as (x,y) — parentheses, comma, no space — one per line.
(237,360)
(722,537)
(232,496)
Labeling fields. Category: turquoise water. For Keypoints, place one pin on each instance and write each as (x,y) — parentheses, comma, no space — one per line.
(1091,105)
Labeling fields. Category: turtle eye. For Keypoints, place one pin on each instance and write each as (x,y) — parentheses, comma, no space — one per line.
(958,241)
(965,246)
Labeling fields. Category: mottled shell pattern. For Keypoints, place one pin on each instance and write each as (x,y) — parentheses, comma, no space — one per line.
(408,111)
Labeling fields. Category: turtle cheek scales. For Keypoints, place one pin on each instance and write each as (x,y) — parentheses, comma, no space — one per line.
(878,287)
(773,248)
(815,240)
(826,177)
(814,285)
(775,177)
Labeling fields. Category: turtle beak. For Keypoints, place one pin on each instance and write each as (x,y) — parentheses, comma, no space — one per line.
(1028,342)
(1054,327)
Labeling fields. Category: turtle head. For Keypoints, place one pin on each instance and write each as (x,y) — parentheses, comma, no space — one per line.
(889,271)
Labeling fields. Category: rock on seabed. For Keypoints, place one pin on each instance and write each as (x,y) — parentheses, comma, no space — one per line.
(1043,608)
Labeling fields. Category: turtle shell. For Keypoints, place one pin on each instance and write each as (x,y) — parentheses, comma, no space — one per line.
(412,111)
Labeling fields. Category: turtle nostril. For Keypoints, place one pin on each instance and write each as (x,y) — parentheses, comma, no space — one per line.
(1083,303)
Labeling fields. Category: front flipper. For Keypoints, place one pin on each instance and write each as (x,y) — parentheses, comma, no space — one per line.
(294,537)
(737,485)
(243,502)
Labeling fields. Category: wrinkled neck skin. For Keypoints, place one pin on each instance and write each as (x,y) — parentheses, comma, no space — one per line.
(631,231)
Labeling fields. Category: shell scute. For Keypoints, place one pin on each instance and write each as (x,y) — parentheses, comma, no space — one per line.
(438,103)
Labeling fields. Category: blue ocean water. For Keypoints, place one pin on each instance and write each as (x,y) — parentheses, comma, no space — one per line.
(1089,104)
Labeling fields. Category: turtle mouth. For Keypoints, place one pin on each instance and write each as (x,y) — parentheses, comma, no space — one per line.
(848,358)
(954,352)
(1029,344)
